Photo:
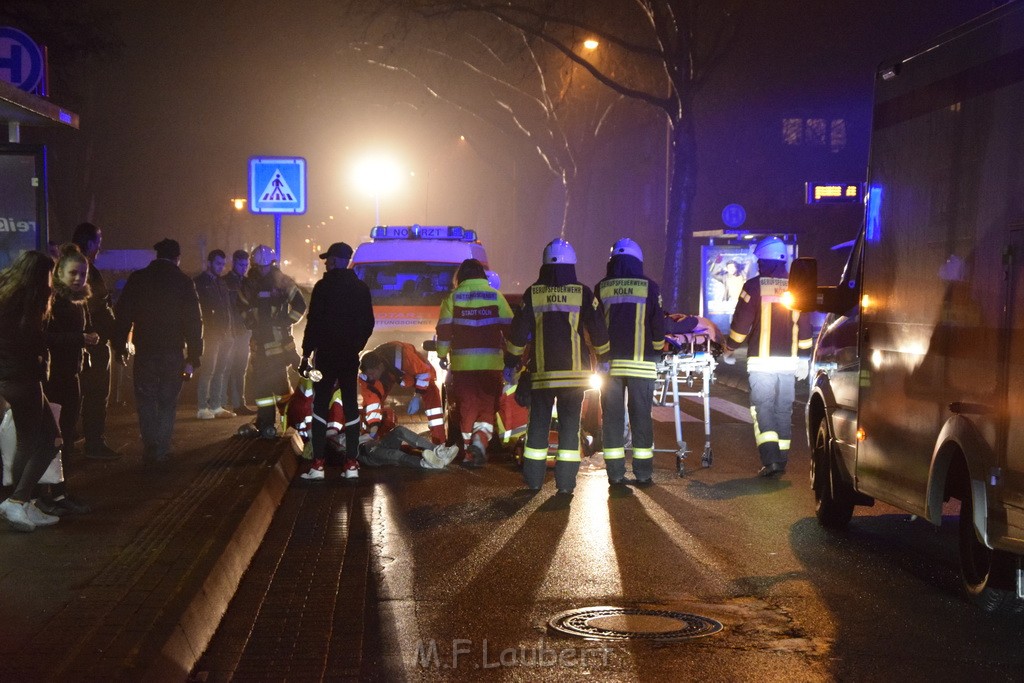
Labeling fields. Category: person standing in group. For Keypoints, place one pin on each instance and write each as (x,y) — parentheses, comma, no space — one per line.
(95,375)
(778,349)
(238,335)
(25,300)
(215,304)
(159,307)
(636,326)
(340,322)
(67,340)
(471,331)
(398,363)
(270,304)
(562,319)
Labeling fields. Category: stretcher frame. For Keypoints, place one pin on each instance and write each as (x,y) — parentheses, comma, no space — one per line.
(692,363)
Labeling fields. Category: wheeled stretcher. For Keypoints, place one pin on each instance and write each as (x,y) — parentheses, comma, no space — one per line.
(688,369)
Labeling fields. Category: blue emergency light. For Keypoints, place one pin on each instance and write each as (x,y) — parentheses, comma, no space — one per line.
(423,232)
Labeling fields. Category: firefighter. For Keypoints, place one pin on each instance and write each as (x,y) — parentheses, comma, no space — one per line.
(778,348)
(271,303)
(471,332)
(633,313)
(398,363)
(556,313)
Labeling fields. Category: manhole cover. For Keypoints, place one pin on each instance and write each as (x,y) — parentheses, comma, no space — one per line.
(624,623)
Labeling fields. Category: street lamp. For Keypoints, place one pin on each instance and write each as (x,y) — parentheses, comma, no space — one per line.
(377,175)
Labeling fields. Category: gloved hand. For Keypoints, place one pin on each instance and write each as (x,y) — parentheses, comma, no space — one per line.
(604,367)
(443,362)
(414,405)
(509,375)
(304,367)
(801,369)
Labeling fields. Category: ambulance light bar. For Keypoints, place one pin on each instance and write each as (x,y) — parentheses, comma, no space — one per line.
(423,232)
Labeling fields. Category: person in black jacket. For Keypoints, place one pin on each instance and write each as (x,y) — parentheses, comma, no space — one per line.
(159,306)
(95,375)
(339,324)
(67,340)
(25,300)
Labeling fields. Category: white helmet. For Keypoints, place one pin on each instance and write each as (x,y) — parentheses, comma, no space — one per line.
(771,249)
(493,279)
(263,255)
(627,247)
(559,251)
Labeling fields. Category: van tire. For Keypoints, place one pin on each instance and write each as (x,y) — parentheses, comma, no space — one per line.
(986,575)
(833,495)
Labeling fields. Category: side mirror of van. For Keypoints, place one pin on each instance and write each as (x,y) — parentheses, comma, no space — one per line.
(806,295)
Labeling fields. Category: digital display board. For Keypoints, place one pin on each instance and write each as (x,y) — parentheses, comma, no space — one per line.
(834,193)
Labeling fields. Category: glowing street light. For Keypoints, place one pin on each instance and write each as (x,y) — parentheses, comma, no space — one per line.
(238,203)
(590,44)
(377,175)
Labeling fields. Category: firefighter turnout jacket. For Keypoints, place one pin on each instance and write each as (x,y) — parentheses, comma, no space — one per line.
(636,324)
(270,305)
(555,318)
(403,367)
(472,326)
(777,338)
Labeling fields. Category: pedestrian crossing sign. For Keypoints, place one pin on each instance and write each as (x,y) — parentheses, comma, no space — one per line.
(277,185)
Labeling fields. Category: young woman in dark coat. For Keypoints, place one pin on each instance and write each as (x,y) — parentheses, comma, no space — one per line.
(25,297)
(66,338)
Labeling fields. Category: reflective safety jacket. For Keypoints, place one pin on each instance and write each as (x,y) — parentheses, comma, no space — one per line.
(635,320)
(270,305)
(777,339)
(555,318)
(472,326)
(405,367)
(299,413)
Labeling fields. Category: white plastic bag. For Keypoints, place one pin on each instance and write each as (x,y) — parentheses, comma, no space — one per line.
(54,474)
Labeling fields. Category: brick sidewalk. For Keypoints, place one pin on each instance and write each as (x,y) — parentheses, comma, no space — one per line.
(136,588)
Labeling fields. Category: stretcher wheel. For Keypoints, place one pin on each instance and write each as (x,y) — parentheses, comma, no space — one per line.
(707,458)
(681,463)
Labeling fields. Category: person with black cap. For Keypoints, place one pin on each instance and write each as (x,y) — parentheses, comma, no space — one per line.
(339,324)
(159,307)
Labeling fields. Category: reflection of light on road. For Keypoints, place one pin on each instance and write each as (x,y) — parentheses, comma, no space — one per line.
(585,564)
(700,554)
(394,557)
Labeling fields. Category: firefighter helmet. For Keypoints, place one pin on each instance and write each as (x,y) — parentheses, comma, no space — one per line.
(263,255)
(627,247)
(771,249)
(559,251)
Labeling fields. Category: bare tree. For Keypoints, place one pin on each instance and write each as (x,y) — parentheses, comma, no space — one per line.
(664,51)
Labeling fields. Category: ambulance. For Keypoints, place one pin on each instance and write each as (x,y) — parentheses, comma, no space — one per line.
(409,269)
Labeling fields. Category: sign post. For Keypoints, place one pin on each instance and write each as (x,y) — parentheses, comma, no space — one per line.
(277,185)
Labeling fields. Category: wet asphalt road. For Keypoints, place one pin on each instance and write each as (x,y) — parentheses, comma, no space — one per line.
(409,575)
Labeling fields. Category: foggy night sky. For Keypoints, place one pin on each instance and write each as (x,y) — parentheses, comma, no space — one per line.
(167,126)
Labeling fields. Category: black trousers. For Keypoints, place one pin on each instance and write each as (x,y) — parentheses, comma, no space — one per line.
(65,392)
(567,463)
(157,385)
(95,384)
(340,373)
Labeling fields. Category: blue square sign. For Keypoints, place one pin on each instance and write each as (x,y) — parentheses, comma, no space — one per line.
(277,185)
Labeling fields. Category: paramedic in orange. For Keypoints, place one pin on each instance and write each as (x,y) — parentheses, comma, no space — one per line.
(398,363)
(471,331)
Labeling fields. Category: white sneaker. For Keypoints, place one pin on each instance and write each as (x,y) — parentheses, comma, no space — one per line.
(16,515)
(313,474)
(205,414)
(38,517)
(223,412)
(351,470)
(432,459)
(447,454)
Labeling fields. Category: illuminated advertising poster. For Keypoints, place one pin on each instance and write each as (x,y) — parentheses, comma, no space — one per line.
(726,268)
(21,199)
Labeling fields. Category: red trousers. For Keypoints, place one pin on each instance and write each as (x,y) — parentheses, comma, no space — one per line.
(475,394)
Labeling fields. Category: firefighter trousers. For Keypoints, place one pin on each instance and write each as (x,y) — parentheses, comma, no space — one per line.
(637,395)
(771,405)
(567,462)
(269,386)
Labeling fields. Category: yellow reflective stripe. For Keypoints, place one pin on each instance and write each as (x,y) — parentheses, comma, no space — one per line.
(535,453)
(538,345)
(805,344)
(638,332)
(784,444)
(266,401)
(603,348)
(614,453)
(513,349)
(643,453)
(737,337)
(765,342)
(633,368)
(577,355)
(759,436)
(568,456)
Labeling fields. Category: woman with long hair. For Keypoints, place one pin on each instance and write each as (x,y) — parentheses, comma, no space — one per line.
(26,295)
(66,338)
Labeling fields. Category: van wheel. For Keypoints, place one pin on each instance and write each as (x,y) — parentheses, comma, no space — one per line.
(833,496)
(986,575)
